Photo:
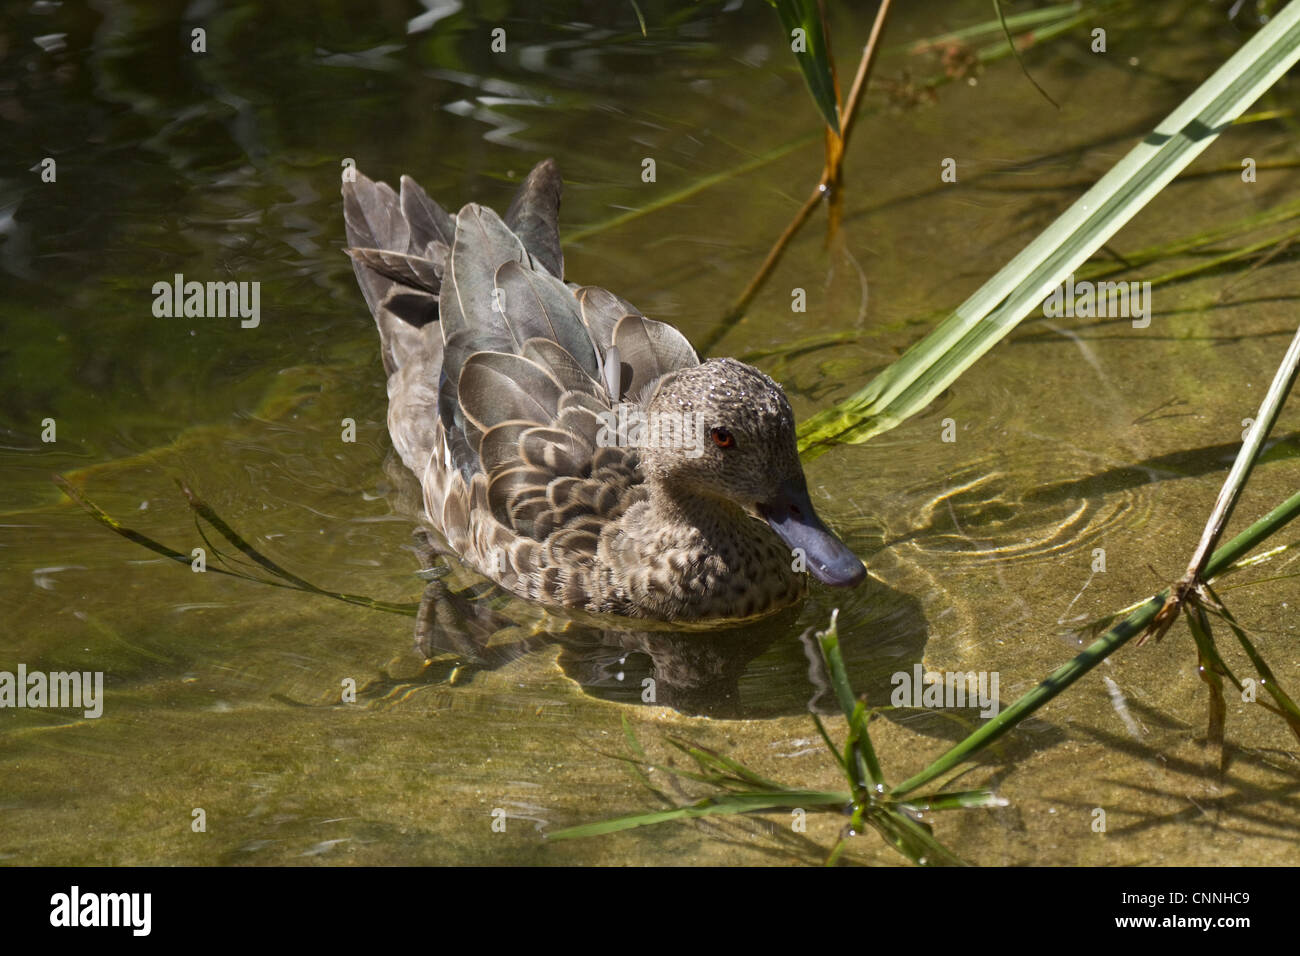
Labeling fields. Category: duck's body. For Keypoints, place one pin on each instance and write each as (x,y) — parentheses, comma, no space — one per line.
(515,399)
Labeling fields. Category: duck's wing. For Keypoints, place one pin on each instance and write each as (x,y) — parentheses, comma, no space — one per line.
(530,406)
(496,297)
(518,372)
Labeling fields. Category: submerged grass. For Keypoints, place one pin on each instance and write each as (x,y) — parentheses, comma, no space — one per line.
(868,801)
(279,576)
(1242,246)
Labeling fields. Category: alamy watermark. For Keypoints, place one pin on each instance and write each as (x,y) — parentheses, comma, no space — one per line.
(130,910)
(922,688)
(630,427)
(208,300)
(78,690)
(1102,300)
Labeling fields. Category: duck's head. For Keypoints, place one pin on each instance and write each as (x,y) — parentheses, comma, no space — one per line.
(736,442)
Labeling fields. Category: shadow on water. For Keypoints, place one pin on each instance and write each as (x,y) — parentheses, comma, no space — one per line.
(747,670)
(751,670)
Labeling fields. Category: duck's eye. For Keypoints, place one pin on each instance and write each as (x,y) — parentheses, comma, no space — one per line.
(722,438)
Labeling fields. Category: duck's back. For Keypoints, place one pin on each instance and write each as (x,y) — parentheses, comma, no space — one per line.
(502,380)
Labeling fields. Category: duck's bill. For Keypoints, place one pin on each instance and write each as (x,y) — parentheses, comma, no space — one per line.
(791,515)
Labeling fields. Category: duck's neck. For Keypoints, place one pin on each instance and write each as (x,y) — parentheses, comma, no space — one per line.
(698,556)
(673,507)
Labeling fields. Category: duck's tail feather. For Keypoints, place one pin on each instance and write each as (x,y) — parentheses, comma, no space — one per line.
(534,216)
(399,246)
(469,301)
(429,223)
(399,250)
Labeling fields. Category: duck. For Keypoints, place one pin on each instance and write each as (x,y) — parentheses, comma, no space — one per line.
(569,448)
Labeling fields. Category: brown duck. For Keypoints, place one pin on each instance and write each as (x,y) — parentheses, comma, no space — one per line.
(569,448)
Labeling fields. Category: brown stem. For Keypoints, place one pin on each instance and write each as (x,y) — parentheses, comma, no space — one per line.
(864,70)
(826,186)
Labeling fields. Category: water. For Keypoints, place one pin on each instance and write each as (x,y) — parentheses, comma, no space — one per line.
(222,695)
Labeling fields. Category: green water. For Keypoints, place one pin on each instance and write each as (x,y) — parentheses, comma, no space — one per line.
(1074,435)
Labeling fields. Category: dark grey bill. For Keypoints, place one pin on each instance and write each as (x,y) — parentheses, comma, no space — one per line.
(791,515)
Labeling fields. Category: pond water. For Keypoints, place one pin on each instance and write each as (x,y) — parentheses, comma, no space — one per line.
(1075,435)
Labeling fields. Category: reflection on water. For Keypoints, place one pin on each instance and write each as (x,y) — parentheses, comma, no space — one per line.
(465,624)
(1071,438)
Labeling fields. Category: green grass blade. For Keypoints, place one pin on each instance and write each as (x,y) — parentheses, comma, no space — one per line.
(1015,52)
(710,758)
(815,59)
(205,511)
(912,839)
(1203,636)
(958,800)
(1047,16)
(1056,682)
(732,803)
(108,521)
(689,190)
(930,366)
(859,742)
(633,745)
(830,745)
(638,760)
(1061,678)
(1210,669)
(829,641)
(1286,707)
(837,851)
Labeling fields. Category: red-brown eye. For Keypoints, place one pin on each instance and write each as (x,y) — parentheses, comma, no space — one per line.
(722,438)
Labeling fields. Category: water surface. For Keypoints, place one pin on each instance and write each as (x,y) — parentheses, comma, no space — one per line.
(1074,435)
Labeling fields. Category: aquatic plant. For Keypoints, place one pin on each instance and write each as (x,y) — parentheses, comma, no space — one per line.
(869,801)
